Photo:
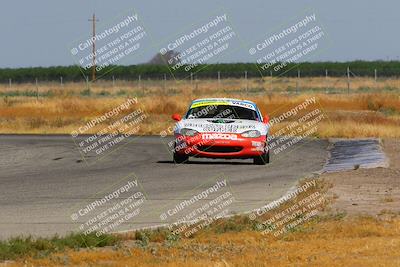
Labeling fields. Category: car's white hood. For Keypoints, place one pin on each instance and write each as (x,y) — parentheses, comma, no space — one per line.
(222,125)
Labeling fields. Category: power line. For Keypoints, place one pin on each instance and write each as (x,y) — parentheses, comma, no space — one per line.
(93,20)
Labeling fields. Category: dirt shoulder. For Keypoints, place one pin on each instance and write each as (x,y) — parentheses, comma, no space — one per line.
(369,191)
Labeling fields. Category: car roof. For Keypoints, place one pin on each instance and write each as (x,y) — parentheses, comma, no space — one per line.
(222,99)
(228,99)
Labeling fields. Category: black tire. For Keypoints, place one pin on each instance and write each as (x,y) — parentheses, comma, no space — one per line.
(262,159)
(178,158)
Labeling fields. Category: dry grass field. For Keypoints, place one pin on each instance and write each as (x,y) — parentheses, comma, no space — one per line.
(371,109)
(326,243)
(330,239)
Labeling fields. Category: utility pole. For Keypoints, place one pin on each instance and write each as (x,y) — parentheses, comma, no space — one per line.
(348,80)
(93,20)
(245,77)
(297,81)
(270,74)
(326,81)
(140,83)
(87,83)
(37,88)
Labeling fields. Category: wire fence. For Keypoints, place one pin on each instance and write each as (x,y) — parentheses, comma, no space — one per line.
(348,82)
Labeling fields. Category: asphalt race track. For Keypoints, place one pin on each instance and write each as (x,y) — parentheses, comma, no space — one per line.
(43,180)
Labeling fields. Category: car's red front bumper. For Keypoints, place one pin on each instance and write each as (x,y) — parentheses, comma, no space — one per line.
(220,145)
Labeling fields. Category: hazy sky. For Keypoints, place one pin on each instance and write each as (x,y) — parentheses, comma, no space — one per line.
(40,32)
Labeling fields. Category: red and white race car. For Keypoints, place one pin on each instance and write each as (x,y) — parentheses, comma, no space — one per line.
(221,128)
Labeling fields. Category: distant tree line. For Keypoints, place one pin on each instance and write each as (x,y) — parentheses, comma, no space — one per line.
(233,70)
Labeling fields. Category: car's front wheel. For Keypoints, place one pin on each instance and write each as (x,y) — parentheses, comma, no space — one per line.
(262,159)
(179,158)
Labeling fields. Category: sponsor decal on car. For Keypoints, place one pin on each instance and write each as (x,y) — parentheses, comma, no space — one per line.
(224,128)
(243,104)
(193,125)
(207,103)
(224,136)
(223,102)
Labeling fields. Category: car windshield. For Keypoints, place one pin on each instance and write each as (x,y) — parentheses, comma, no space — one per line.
(222,112)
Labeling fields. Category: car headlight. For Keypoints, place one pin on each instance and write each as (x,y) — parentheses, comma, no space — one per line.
(188,132)
(251,134)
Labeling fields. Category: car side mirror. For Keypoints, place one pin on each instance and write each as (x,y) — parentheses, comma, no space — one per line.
(266,119)
(176,117)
